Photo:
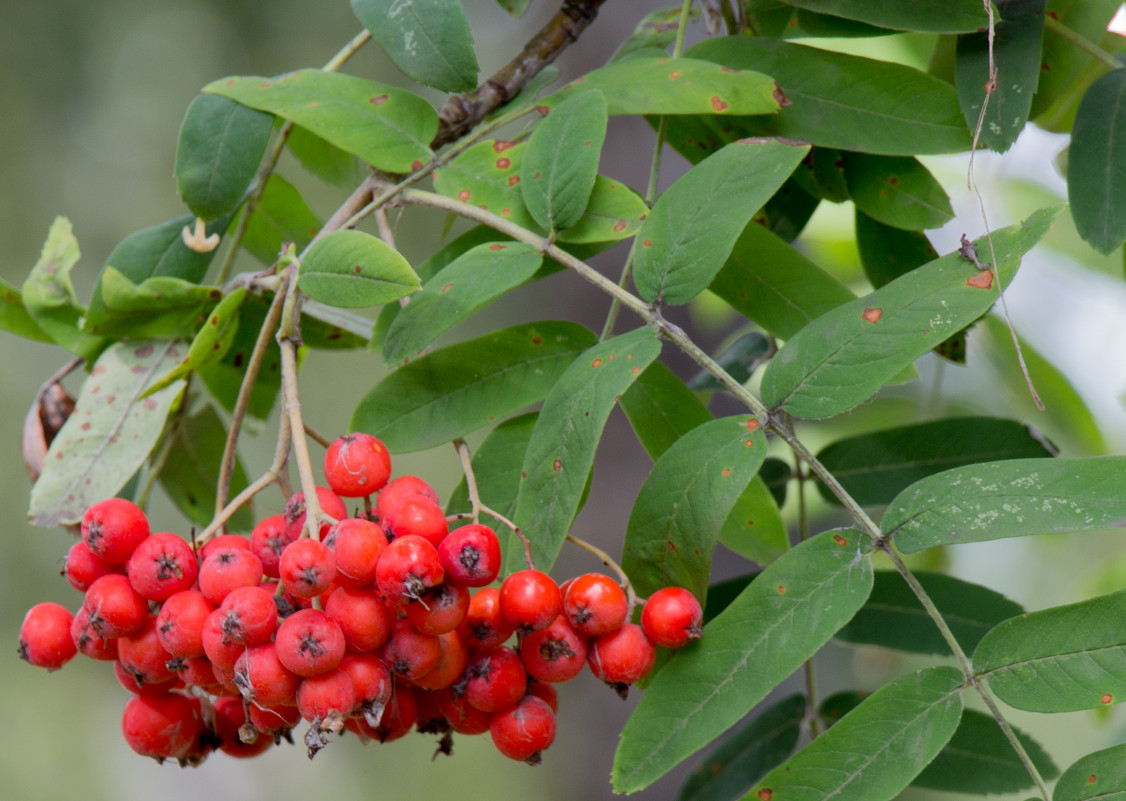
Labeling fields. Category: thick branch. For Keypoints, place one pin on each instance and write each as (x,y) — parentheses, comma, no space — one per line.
(463,111)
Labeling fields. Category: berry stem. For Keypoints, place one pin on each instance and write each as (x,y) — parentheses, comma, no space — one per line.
(478,507)
(608,560)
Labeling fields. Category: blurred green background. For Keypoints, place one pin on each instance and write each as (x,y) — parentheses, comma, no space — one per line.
(92,97)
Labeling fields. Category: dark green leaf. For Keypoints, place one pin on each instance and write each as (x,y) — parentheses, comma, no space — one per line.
(211,342)
(783,617)
(14,316)
(429,40)
(1017,37)
(822,174)
(221,144)
(224,377)
(980,760)
(849,353)
(680,508)
(838,705)
(496,465)
(1101,775)
(648,84)
(561,161)
(351,269)
(695,224)
(387,127)
(661,409)
(875,750)
(281,216)
(465,286)
(561,452)
(786,214)
(49,297)
(722,594)
(109,435)
(463,387)
(739,359)
(191,471)
(757,746)
(783,21)
(1058,660)
(323,327)
(774,285)
(161,307)
(897,191)
(929,16)
(326,161)
(776,474)
(1096,167)
(754,528)
(894,618)
(844,101)
(887,253)
(656,29)
(1014,498)
(876,467)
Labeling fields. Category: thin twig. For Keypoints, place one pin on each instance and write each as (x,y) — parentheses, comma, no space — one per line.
(479,508)
(606,559)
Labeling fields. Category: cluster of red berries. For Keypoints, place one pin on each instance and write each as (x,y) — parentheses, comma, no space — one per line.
(371,626)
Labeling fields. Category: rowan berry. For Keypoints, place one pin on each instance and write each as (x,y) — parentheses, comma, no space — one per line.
(595,604)
(319,696)
(400,489)
(462,716)
(88,641)
(307,568)
(410,653)
(162,727)
(113,528)
(525,730)
(557,653)
(530,600)
(221,542)
(622,657)
(450,666)
(180,623)
(130,682)
(162,565)
(195,671)
(672,617)
(330,504)
(250,615)
(495,679)
(546,691)
(143,655)
(362,616)
(484,626)
(357,465)
(399,716)
(267,541)
(221,649)
(261,677)
(309,643)
(407,569)
(225,569)
(44,639)
(83,567)
(439,610)
(372,682)
(232,725)
(357,545)
(471,556)
(419,516)
(275,720)
(115,607)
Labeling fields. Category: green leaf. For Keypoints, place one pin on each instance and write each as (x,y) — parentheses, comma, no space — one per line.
(896,190)
(614,212)
(1096,167)
(739,360)
(694,225)
(161,307)
(561,452)
(927,16)
(875,467)
(496,465)
(1014,498)
(782,20)
(281,216)
(14,316)
(787,213)
(822,174)
(773,284)
(757,746)
(1060,659)
(49,297)
(109,435)
(846,355)
(843,101)
(387,127)
(1101,775)
(429,40)
(191,471)
(776,474)
(754,527)
(224,377)
(515,7)
(221,144)
(211,342)
(886,252)
(326,161)
(561,161)
(1016,46)
(656,29)
(979,759)
(465,286)
(680,508)
(778,622)
(661,409)
(460,388)
(894,618)
(836,706)
(350,269)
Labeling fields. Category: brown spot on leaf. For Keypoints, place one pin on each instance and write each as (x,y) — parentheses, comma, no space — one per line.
(983,280)
(515,179)
(718,103)
(359,268)
(416,164)
(447,288)
(728,69)
(505,212)
(674,75)
(727,471)
(619,226)
(557,465)
(85,426)
(504,164)
(648,243)
(765,794)
(873,315)
(752,424)
(1107,698)
(313,104)
(544,110)
(502,145)
(750,443)
(149,404)
(841,541)
(1091,779)
(498,246)
(780,97)
(596,363)
(143,352)
(463,195)
(379,100)
(893,180)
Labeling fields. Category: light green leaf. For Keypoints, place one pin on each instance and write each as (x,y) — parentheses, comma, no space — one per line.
(875,750)
(896,190)
(927,16)
(656,29)
(110,433)
(1060,659)
(161,307)
(326,161)
(351,269)
(14,316)
(1096,166)
(561,161)
(778,622)
(1101,775)
(387,127)
(561,452)
(680,508)
(846,355)
(661,409)
(694,225)
(429,40)
(281,216)
(211,342)
(460,388)
(221,144)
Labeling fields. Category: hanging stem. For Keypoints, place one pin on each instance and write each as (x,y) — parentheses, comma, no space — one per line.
(478,508)
(606,559)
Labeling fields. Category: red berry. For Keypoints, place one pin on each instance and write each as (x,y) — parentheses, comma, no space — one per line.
(595,604)
(221,649)
(88,641)
(556,653)
(262,678)
(225,569)
(407,569)
(419,516)
(84,567)
(162,565)
(115,608)
(330,504)
(221,542)
(372,682)
(672,617)
(357,545)
(250,615)
(530,600)
(522,732)
(357,465)
(163,727)
(274,719)
(130,683)
(319,696)
(45,639)
(462,716)
(471,556)
(495,679)
(113,528)
(440,610)
(230,722)
(309,643)
(307,568)
(362,616)
(268,540)
(143,656)
(483,626)
(400,489)
(195,671)
(546,691)
(398,716)
(622,657)
(450,666)
(180,623)
(410,653)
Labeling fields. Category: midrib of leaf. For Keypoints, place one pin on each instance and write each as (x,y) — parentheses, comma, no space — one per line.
(1052,658)
(996,455)
(213,172)
(1108,185)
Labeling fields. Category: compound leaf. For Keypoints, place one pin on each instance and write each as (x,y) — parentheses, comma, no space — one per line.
(351,269)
